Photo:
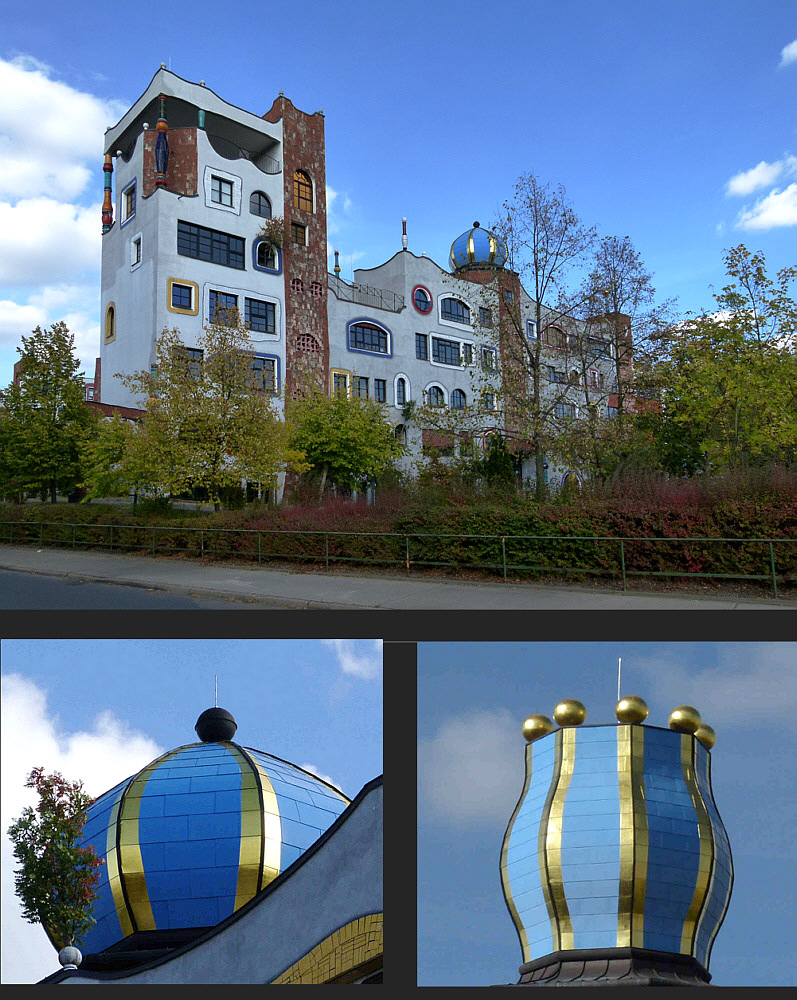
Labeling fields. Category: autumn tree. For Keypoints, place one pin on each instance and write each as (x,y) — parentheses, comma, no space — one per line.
(57,877)
(212,419)
(346,440)
(44,420)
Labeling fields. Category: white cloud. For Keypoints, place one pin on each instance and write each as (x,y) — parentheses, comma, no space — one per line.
(752,683)
(358,657)
(778,208)
(472,770)
(76,305)
(101,755)
(319,774)
(47,241)
(788,54)
(761,176)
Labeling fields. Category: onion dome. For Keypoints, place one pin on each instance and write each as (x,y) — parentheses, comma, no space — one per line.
(198,833)
(477,248)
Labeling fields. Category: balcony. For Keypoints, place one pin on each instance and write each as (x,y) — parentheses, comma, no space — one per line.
(365,295)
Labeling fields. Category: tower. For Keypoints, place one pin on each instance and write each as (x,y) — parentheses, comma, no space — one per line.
(215,208)
(615,866)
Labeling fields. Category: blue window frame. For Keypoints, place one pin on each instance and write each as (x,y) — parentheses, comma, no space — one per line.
(369,338)
(260,316)
(266,257)
(202,243)
(455,311)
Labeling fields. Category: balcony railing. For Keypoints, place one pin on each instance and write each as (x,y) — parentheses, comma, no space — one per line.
(366,295)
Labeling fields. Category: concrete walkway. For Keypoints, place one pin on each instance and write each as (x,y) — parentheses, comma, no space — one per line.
(338,591)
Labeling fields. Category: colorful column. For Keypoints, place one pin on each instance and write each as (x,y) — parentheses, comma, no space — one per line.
(107,201)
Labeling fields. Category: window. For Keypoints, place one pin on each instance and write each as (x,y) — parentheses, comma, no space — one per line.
(297,285)
(554,337)
(488,358)
(266,256)
(340,382)
(182,296)
(611,411)
(265,374)
(380,390)
(110,323)
(135,251)
(454,311)
(565,411)
(574,377)
(445,352)
(458,400)
(299,234)
(128,208)
(509,296)
(361,387)
(485,317)
(209,244)
(316,289)
(422,346)
(221,191)
(304,342)
(488,402)
(193,360)
(421,299)
(303,191)
(401,392)
(435,396)
(259,204)
(368,337)
(260,316)
(554,375)
(599,347)
(531,329)
(467,354)
(221,308)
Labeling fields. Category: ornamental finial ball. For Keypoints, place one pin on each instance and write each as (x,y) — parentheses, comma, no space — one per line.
(706,735)
(632,708)
(684,719)
(536,726)
(570,712)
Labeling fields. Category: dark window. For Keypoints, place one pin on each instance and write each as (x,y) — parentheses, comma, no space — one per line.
(259,204)
(303,191)
(455,311)
(422,346)
(488,358)
(422,300)
(221,307)
(565,411)
(182,296)
(485,317)
(264,378)
(467,354)
(380,390)
(267,256)
(128,202)
(136,252)
(260,316)
(488,402)
(401,392)
(531,329)
(208,244)
(611,411)
(364,337)
(435,395)
(458,399)
(193,361)
(361,387)
(340,383)
(221,191)
(299,234)
(554,375)
(446,352)
(554,337)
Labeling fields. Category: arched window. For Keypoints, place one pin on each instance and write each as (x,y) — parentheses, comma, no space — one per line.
(302,191)
(267,256)
(421,299)
(368,337)
(259,204)
(454,311)
(554,337)
(435,396)
(458,400)
(401,392)
(110,323)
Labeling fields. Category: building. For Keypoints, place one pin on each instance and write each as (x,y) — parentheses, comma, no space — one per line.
(226,864)
(615,867)
(208,208)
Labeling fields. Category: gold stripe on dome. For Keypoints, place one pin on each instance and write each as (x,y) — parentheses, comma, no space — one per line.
(510,902)
(491,257)
(725,845)
(705,868)
(112,869)
(561,922)
(134,879)
(355,949)
(471,249)
(633,837)
(259,857)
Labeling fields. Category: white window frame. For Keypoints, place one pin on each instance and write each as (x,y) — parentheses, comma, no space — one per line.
(137,240)
(407,390)
(435,385)
(237,188)
(123,218)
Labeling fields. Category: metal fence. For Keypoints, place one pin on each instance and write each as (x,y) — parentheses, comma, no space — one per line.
(503,555)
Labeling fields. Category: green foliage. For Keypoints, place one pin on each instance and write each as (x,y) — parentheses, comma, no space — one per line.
(44,421)
(349,441)
(57,878)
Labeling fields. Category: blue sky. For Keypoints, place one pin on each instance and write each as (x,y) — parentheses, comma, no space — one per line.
(671,122)
(472,699)
(99,710)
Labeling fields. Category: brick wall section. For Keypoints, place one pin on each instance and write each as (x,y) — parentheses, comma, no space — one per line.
(303,148)
(181,172)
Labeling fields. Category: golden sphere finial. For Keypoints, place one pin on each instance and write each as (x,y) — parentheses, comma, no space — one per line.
(706,735)
(632,708)
(536,726)
(684,719)
(570,712)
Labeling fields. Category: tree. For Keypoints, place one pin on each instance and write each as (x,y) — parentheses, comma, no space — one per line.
(211,416)
(728,380)
(545,239)
(44,420)
(58,876)
(349,441)
(112,460)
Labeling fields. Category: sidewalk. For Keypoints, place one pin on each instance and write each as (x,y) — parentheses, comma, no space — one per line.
(320,590)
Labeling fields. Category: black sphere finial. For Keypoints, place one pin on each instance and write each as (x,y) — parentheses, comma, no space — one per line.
(215,725)
(475,225)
